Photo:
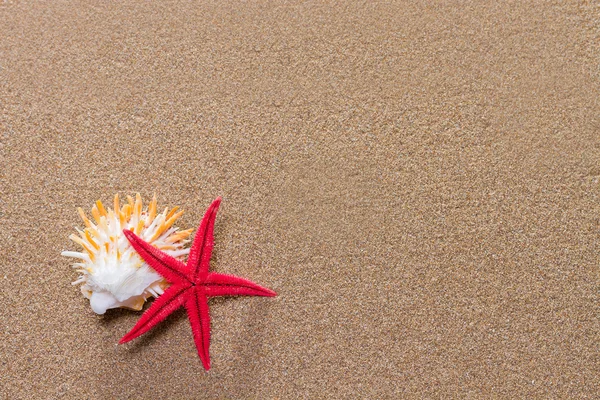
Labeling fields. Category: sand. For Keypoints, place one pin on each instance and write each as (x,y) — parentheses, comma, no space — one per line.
(419,182)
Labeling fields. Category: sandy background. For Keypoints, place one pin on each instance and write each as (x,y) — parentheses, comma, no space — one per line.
(418,181)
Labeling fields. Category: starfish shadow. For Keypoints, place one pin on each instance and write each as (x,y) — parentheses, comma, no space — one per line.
(143,341)
(109,320)
(256,322)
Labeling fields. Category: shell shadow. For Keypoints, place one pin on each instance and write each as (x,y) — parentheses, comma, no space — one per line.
(112,315)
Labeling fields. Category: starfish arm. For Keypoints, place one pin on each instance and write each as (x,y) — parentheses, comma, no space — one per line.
(201,250)
(197,310)
(230,285)
(173,298)
(169,267)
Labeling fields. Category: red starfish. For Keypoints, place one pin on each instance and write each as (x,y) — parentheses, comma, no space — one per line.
(191,284)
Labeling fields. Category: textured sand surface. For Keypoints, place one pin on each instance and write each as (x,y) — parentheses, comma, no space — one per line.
(419,181)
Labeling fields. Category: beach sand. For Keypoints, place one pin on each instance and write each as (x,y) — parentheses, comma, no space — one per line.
(419,182)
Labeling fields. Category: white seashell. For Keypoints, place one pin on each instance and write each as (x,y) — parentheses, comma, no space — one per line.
(112,273)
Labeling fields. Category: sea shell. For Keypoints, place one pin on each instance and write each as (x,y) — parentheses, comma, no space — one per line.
(112,273)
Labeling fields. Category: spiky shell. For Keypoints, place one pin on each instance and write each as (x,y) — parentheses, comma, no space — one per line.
(112,273)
